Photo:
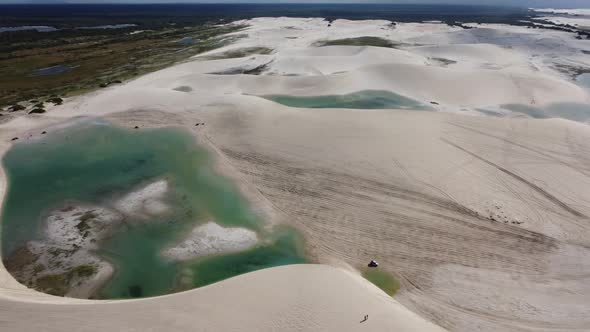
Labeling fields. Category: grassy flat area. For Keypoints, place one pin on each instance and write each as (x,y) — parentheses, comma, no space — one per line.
(91,61)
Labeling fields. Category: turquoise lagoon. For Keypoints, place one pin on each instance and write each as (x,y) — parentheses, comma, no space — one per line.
(95,162)
(366,99)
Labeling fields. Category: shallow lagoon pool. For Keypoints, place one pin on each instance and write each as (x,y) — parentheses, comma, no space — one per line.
(571,111)
(95,163)
(584,80)
(366,99)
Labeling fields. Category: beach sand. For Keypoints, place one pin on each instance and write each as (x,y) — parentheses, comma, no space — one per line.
(484,220)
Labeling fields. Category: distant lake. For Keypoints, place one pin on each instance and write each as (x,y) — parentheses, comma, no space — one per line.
(571,111)
(366,99)
(39,28)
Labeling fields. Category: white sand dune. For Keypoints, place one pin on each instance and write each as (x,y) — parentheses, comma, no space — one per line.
(334,59)
(454,87)
(483,220)
(579,22)
(289,298)
(572,11)
(579,18)
(470,55)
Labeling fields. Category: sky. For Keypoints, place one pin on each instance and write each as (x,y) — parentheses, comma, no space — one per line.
(519,3)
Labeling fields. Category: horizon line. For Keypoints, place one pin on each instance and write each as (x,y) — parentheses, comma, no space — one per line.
(270,2)
(263,2)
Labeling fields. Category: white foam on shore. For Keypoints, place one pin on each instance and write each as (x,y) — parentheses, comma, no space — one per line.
(211,239)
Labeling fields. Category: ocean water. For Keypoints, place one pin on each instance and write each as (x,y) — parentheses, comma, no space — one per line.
(95,162)
(366,99)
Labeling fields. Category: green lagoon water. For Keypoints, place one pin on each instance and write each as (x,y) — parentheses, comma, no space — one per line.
(383,280)
(95,162)
(366,99)
(584,80)
(571,111)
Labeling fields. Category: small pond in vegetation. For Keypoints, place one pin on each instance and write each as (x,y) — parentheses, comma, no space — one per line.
(382,279)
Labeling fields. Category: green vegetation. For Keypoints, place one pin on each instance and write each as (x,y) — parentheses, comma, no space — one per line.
(88,215)
(183,88)
(59,284)
(245,71)
(55,100)
(572,71)
(54,284)
(37,110)
(239,53)
(38,268)
(20,258)
(94,58)
(443,61)
(383,280)
(16,108)
(82,226)
(359,41)
(83,270)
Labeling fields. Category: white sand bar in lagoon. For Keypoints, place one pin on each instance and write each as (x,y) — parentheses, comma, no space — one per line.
(146,200)
(80,225)
(211,239)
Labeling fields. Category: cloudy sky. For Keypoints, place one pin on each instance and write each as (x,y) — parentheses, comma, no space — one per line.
(519,3)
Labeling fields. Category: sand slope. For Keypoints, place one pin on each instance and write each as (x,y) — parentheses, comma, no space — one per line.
(303,298)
